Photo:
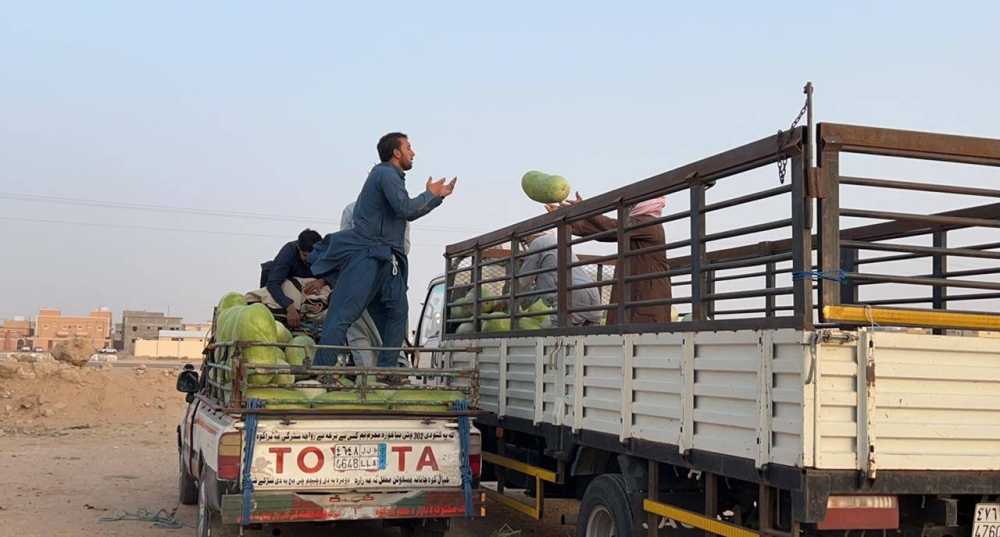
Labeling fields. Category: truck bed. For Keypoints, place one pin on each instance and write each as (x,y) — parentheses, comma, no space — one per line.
(831,400)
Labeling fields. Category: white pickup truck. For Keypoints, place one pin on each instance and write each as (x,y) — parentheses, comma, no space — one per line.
(406,467)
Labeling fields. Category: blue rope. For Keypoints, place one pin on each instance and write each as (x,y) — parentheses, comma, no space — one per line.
(835,275)
(251,438)
(464,431)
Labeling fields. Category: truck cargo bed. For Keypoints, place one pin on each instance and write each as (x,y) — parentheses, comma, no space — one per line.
(836,400)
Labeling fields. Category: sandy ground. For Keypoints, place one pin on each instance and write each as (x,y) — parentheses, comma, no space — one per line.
(79,445)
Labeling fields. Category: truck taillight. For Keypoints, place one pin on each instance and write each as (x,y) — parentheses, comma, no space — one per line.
(476,452)
(862,512)
(476,462)
(229,456)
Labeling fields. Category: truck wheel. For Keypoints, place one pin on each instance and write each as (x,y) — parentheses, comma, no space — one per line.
(186,484)
(605,510)
(207,523)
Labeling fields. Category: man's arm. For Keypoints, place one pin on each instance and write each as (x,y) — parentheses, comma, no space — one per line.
(399,199)
(280,269)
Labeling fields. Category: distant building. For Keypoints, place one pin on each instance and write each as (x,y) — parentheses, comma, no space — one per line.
(172,344)
(51,327)
(198,327)
(138,325)
(15,333)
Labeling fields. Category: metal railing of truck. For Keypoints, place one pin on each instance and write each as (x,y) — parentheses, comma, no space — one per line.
(792,262)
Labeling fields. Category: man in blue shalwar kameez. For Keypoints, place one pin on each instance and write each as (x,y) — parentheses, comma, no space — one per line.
(367,264)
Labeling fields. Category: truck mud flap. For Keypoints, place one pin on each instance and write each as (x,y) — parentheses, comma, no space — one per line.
(282,507)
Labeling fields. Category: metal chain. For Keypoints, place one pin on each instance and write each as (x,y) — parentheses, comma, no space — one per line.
(783,137)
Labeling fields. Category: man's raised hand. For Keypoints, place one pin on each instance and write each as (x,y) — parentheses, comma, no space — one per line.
(439,188)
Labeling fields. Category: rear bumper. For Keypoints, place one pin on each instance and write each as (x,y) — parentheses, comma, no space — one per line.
(282,507)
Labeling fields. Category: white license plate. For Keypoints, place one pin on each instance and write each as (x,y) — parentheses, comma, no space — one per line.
(359,457)
(986,522)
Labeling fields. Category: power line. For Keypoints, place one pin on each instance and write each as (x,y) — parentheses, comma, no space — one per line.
(150,228)
(196,211)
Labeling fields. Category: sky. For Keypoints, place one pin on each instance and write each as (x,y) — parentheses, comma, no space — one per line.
(273,110)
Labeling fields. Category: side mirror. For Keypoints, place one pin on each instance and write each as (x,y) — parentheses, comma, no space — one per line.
(187,381)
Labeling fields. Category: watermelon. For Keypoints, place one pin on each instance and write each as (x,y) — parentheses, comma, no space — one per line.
(282,333)
(282,378)
(466,328)
(405,399)
(463,309)
(229,300)
(528,323)
(227,376)
(256,324)
(545,188)
(687,318)
(297,400)
(310,392)
(486,306)
(224,329)
(537,306)
(497,325)
(296,355)
(342,400)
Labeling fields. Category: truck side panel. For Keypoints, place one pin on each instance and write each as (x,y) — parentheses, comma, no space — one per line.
(932,403)
(706,391)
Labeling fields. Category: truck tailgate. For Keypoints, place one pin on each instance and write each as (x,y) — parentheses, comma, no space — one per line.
(323,455)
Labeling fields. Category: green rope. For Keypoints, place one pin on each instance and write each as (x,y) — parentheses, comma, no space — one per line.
(162,519)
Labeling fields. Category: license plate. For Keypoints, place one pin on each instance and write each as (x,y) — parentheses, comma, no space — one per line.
(359,457)
(986,522)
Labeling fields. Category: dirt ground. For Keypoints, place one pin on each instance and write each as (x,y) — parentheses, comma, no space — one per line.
(77,445)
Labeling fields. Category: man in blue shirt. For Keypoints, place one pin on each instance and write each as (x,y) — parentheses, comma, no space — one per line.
(367,264)
(291,262)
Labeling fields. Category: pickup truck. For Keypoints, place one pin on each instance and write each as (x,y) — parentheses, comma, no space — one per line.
(251,466)
(836,377)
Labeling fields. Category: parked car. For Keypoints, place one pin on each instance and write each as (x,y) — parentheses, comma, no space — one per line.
(39,349)
(109,350)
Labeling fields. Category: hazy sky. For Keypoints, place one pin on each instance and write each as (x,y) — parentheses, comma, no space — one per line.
(274,109)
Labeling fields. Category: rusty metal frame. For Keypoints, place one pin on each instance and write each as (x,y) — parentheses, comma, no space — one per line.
(702,267)
(839,249)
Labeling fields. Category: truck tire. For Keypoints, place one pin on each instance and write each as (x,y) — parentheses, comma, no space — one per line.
(605,510)
(208,523)
(186,484)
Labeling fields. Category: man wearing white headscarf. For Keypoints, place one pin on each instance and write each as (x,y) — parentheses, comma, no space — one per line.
(648,263)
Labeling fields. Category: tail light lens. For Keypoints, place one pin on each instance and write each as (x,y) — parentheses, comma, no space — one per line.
(476,452)
(476,462)
(861,513)
(230,451)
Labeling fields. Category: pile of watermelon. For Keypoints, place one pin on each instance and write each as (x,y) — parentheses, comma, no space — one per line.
(493,319)
(236,321)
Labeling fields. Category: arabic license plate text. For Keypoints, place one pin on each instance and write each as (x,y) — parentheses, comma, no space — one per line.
(986,522)
(359,457)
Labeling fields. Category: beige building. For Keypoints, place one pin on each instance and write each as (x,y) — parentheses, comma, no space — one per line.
(145,325)
(180,344)
(51,327)
(14,334)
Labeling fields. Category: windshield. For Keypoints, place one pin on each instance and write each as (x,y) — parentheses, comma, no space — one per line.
(430,323)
